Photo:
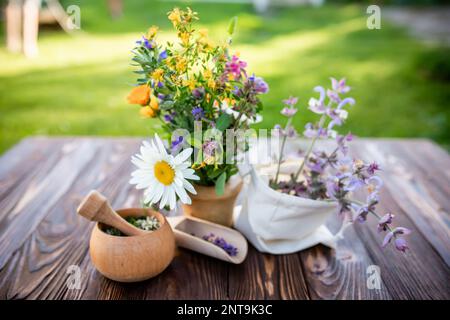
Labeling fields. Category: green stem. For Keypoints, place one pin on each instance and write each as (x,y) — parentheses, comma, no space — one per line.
(283,143)
(308,152)
(241,113)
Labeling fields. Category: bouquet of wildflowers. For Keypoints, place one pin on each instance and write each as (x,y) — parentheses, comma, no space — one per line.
(334,175)
(195,85)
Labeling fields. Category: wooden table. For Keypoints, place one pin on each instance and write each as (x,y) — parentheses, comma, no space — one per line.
(42,180)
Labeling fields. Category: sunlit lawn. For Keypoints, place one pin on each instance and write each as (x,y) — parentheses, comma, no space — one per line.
(78,84)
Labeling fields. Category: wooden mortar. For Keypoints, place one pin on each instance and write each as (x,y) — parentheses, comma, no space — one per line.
(138,256)
(133,258)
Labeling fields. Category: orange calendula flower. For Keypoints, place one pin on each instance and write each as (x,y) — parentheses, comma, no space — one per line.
(154,103)
(151,110)
(147,112)
(139,95)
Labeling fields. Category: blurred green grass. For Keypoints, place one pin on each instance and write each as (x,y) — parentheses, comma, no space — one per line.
(78,84)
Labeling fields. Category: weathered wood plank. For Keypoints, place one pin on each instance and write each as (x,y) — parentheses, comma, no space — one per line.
(265,276)
(422,273)
(418,274)
(190,276)
(41,195)
(407,187)
(342,273)
(61,238)
(20,167)
(430,175)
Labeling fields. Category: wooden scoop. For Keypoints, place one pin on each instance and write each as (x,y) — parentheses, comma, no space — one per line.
(188,230)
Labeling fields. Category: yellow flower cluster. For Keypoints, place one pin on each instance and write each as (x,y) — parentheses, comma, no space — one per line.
(192,66)
(181,18)
(158,75)
(151,33)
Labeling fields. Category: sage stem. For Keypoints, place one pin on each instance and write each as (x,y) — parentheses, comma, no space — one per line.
(308,152)
(283,143)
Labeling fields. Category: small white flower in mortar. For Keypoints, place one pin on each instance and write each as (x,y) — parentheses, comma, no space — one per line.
(163,176)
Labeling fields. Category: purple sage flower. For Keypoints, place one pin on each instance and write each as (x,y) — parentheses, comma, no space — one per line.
(311,131)
(237,91)
(291,101)
(332,188)
(339,86)
(162,55)
(260,86)
(354,183)
(210,147)
(176,144)
(291,132)
(346,101)
(149,44)
(221,243)
(198,93)
(341,140)
(318,105)
(401,244)
(333,95)
(372,168)
(289,111)
(198,113)
(385,221)
(168,118)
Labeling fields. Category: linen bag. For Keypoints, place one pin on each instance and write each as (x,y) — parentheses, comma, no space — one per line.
(279,223)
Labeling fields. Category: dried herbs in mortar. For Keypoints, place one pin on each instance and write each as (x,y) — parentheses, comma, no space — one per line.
(145,223)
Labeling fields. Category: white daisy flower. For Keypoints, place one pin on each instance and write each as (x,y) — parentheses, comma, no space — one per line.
(163,176)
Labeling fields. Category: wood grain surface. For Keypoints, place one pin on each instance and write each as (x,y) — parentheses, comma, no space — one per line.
(42,181)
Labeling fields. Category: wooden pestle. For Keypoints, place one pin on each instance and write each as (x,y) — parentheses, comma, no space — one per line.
(95,207)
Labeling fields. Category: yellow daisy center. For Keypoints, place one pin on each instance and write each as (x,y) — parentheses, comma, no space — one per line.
(164,173)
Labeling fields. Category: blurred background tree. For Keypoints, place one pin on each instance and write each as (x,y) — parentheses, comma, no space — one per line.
(78,83)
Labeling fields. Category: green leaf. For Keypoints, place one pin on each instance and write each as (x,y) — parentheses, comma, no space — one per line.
(220,184)
(168,104)
(232,26)
(223,122)
(212,173)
